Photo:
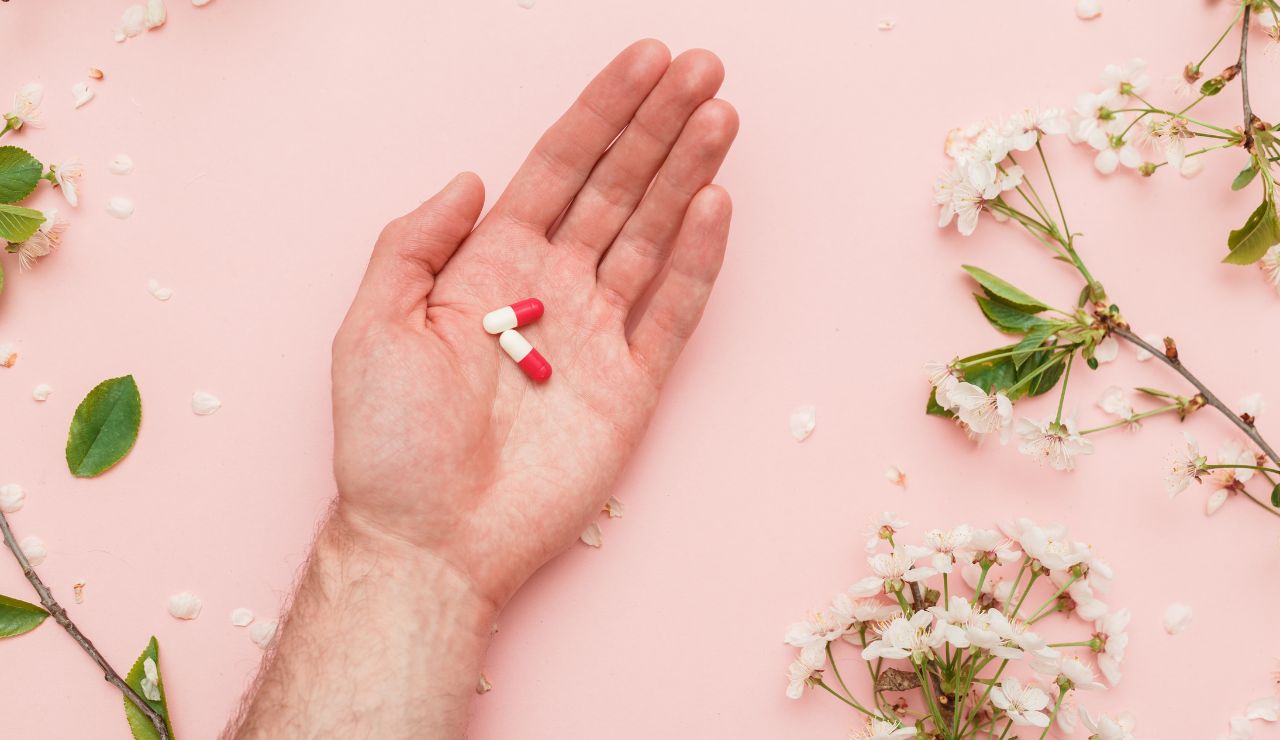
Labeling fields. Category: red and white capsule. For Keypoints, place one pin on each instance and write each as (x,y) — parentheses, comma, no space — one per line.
(509,317)
(519,349)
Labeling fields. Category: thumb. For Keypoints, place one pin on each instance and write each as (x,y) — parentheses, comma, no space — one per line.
(413,248)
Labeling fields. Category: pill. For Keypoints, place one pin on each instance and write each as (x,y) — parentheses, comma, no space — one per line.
(525,355)
(509,317)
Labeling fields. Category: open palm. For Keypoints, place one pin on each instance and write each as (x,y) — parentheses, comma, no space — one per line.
(441,441)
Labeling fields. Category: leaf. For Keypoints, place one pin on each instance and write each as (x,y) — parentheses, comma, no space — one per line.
(1260,231)
(992,375)
(104,427)
(18,223)
(1031,342)
(933,408)
(19,174)
(1046,380)
(1275,496)
(138,722)
(19,617)
(1007,318)
(1004,291)
(1245,177)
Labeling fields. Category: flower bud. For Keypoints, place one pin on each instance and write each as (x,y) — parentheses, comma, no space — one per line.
(1147,169)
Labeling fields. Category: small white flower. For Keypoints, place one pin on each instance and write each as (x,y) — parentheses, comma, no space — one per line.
(120,207)
(1023,130)
(881,729)
(262,633)
(184,605)
(1270,264)
(894,475)
(892,569)
(1253,404)
(814,634)
(121,164)
(944,545)
(1113,151)
(204,404)
(1080,675)
(1267,709)
(1103,727)
(241,617)
(43,241)
(798,675)
(981,412)
(1088,9)
(803,420)
(26,107)
(884,529)
(150,680)
(1177,617)
(904,638)
(1095,113)
(33,548)
(1186,467)
(81,93)
(1232,452)
(1052,443)
(66,176)
(1023,704)
(1111,631)
(592,535)
(943,376)
(12,497)
(1127,79)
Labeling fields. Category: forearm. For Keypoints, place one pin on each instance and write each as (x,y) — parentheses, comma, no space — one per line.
(382,640)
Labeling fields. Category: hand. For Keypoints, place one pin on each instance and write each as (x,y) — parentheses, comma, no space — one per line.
(442,445)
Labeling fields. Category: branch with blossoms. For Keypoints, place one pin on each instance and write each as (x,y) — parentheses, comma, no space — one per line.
(1049,340)
(972,633)
(26,232)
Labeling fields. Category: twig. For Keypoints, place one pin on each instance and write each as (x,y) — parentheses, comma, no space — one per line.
(60,616)
(1209,398)
(1243,64)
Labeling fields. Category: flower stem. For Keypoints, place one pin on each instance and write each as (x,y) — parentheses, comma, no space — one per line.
(1062,397)
(1247,467)
(1221,38)
(1057,707)
(1135,417)
(850,702)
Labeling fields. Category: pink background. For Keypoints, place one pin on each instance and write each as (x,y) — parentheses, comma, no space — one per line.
(273,140)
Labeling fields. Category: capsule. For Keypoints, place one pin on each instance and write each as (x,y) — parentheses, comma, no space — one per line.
(509,317)
(532,363)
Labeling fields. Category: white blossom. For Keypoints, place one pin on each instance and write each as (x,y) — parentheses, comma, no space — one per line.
(892,569)
(945,544)
(882,729)
(42,241)
(797,676)
(1052,443)
(1186,467)
(26,107)
(67,177)
(981,412)
(1111,630)
(1023,704)
(1127,79)
(1103,727)
(904,638)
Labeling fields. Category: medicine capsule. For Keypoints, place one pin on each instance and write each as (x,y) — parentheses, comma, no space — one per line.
(525,355)
(509,317)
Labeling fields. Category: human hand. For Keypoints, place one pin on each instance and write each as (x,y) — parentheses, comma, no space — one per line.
(442,445)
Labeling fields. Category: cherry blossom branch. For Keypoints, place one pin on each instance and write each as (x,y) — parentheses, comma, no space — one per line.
(60,616)
(1243,64)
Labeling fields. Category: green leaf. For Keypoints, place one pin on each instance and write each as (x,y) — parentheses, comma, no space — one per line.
(19,174)
(1245,177)
(104,427)
(992,375)
(1260,231)
(933,408)
(138,722)
(1032,342)
(19,617)
(1046,380)
(1004,291)
(1275,496)
(18,223)
(1007,318)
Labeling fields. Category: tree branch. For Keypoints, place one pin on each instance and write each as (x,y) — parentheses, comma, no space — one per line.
(1243,64)
(1250,431)
(60,616)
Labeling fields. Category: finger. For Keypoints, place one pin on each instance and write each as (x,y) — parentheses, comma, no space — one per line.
(641,250)
(413,248)
(562,159)
(677,304)
(621,178)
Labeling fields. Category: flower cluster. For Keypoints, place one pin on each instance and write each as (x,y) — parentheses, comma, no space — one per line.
(958,630)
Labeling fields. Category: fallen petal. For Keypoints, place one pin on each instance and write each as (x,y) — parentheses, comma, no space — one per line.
(81,92)
(120,207)
(77,589)
(41,392)
(803,420)
(204,404)
(33,547)
(134,20)
(185,605)
(1088,9)
(8,355)
(199,3)
(12,497)
(1177,618)
(121,164)
(592,535)
(156,14)
(526,4)
(241,617)
(1215,501)
(886,25)
(262,633)
(1266,708)
(613,507)
(894,475)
